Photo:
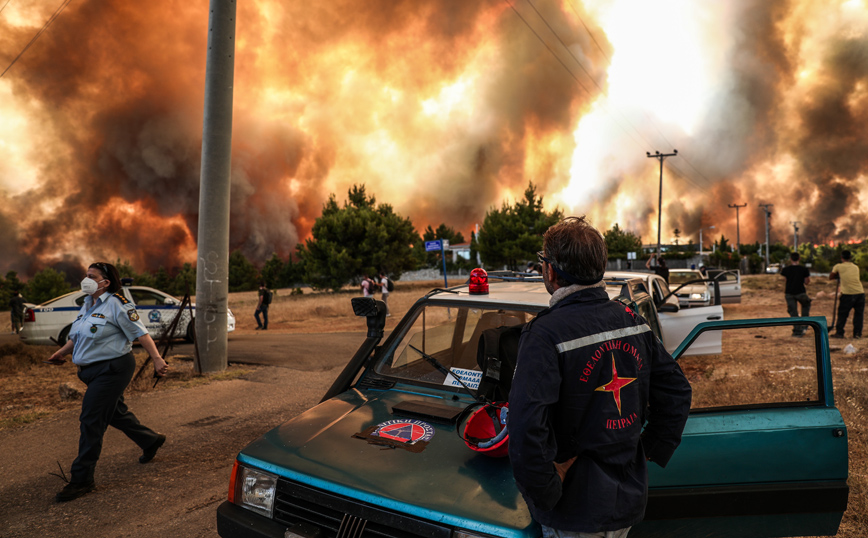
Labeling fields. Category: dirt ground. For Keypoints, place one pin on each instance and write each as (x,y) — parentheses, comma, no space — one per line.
(208,419)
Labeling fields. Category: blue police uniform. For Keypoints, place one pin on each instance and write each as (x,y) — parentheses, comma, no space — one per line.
(102,335)
(104,329)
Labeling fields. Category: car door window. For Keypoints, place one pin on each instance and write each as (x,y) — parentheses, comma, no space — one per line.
(147,298)
(758,366)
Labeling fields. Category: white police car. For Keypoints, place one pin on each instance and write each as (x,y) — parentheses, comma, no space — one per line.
(49,323)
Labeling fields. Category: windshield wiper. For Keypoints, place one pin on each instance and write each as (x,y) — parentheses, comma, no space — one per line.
(442,369)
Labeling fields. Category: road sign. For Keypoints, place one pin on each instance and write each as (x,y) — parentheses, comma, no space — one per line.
(432,245)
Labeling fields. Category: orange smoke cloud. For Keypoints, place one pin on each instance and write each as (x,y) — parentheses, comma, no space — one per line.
(442,108)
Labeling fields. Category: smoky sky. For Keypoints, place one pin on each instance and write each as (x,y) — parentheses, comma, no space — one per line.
(438,107)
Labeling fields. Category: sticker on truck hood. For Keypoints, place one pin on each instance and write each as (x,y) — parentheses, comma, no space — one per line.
(412,435)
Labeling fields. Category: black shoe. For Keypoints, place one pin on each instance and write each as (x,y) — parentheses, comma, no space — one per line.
(265,328)
(74,490)
(151,451)
(836,336)
(798,335)
(258,329)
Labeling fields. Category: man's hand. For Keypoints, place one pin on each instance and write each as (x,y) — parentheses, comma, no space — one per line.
(562,468)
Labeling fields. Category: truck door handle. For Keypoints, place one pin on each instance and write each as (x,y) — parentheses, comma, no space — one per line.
(713,318)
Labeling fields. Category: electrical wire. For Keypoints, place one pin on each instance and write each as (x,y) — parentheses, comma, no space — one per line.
(611,114)
(647,116)
(39,33)
(4,6)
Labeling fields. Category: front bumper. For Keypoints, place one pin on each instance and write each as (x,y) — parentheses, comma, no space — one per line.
(236,522)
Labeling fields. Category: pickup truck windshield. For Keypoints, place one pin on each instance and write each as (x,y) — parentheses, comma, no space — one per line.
(450,335)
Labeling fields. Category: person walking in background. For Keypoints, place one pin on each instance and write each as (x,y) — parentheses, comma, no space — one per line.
(100,341)
(659,267)
(578,437)
(384,290)
(16,306)
(852,295)
(795,293)
(262,307)
(367,286)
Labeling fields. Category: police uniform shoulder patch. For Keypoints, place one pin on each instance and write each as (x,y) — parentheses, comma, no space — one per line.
(121,298)
(134,316)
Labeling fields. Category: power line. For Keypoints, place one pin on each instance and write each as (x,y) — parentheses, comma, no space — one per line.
(4,6)
(648,144)
(39,33)
(647,116)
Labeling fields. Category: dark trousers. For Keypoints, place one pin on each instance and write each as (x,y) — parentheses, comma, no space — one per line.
(846,303)
(793,302)
(264,311)
(103,406)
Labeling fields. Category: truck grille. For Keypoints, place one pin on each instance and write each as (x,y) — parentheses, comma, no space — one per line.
(341,517)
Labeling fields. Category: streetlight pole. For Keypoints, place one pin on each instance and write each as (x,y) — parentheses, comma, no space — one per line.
(700,241)
(660,157)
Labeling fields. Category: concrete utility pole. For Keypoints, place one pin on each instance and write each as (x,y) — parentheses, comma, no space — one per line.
(737,230)
(212,270)
(795,235)
(767,211)
(700,240)
(660,157)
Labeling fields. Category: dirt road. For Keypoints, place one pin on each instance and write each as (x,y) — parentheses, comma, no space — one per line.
(176,494)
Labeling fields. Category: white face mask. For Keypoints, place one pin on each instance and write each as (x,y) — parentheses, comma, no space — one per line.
(89,286)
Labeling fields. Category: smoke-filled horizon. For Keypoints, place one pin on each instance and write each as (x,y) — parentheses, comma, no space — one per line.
(443,109)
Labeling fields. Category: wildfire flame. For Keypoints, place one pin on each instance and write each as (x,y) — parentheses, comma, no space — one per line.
(443,109)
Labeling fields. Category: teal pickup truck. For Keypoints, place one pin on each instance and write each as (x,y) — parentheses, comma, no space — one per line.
(764,452)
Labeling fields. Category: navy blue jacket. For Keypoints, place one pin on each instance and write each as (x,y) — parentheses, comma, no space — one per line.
(590,373)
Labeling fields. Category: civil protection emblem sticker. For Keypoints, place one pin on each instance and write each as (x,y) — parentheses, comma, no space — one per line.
(404,431)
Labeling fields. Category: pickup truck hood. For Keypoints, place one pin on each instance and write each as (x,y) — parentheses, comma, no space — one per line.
(443,481)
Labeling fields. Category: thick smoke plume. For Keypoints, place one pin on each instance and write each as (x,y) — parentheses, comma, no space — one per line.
(442,108)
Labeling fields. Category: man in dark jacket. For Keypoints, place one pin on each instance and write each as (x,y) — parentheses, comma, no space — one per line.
(795,292)
(590,375)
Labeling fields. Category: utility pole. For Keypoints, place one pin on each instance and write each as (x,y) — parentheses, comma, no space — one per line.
(700,241)
(737,230)
(767,211)
(660,157)
(795,235)
(212,268)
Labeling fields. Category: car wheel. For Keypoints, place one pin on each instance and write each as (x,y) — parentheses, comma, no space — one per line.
(64,335)
(191,328)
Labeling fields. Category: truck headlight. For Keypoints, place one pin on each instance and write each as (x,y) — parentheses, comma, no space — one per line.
(256,490)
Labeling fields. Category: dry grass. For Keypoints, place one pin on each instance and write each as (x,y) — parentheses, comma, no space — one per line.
(29,389)
(317,312)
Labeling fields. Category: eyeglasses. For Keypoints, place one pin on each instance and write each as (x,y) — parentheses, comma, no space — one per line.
(542,257)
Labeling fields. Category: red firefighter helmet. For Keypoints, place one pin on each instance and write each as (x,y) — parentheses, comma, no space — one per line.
(485,431)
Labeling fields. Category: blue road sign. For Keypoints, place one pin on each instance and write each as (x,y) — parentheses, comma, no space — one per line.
(432,245)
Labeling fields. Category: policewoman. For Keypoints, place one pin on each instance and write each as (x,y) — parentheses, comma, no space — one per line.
(100,341)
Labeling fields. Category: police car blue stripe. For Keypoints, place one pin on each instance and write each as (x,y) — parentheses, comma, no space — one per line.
(601,337)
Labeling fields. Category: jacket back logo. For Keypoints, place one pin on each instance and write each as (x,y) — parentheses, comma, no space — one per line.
(616,384)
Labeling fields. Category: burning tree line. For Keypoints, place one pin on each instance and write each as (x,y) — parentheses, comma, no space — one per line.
(362,237)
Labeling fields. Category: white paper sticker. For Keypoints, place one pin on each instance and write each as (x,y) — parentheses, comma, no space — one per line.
(470,378)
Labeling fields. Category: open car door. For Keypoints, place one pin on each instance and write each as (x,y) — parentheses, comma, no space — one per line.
(764,452)
(676,322)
